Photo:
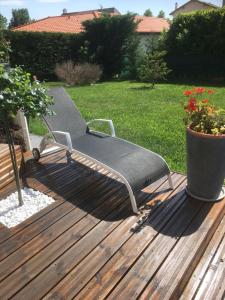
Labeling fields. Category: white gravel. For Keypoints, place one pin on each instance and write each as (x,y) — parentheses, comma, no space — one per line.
(11,214)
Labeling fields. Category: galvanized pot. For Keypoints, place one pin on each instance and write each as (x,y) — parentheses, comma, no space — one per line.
(205,166)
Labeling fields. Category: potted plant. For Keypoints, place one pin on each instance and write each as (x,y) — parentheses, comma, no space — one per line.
(18,92)
(205,137)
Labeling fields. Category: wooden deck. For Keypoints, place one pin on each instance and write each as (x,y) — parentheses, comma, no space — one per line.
(6,169)
(89,245)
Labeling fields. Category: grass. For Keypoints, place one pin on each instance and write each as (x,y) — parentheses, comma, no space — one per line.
(149,117)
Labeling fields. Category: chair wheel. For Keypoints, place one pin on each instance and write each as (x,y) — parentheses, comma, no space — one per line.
(36,154)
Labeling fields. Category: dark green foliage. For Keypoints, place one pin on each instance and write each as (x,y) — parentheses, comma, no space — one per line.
(4,49)
(195,44)
(108,37)
(132,58)
(148,13)
(19,17)
(39,52)
(161,14)
(3,22)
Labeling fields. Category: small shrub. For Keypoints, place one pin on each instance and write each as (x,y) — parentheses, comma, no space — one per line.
(78,74)
(153,68)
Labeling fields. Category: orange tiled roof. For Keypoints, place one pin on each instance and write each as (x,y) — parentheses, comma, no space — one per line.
(66,23)
(151,24)
(72,23)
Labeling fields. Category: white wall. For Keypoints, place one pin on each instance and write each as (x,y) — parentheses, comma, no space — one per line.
(145,38)
(22,122)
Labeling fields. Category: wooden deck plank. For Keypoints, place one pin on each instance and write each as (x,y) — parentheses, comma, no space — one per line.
(204,264)
(88,245)
(83,272)
(184,257)
(131,286)
(68,194)
(90,241)
(77,249)
(213,284)
(107,278)
(48,236)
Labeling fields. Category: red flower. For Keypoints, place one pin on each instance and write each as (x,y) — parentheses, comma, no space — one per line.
(205,101)
(188,93)
(199,90)
(192,104)
(210,92)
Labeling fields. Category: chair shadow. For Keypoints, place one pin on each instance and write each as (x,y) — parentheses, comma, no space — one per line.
(110,200)
(106,201)
(185,220)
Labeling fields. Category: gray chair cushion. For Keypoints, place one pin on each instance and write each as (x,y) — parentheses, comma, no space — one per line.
(139,166)
(67,117)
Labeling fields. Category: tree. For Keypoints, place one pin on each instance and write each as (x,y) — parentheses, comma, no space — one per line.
(153,67)
(161,14)
(3,22)
(19,17)
(17,92)
(148,13)
(107,41)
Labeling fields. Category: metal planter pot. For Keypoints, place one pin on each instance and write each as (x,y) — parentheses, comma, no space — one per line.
(205,166)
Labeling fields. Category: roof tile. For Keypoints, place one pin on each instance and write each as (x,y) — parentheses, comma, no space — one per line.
(73,23)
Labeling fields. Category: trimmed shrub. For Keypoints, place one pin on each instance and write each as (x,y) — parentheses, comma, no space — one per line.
(39,52)
(195,44)
(78,74)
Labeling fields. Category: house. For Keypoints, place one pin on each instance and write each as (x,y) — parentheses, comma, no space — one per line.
(191,6)
(72,23)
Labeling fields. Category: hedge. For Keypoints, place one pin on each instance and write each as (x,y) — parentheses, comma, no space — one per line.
(195,44)
(107,40)
(39,52)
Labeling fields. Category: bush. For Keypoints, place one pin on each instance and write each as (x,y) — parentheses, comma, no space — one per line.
(195,44)
(39,52)
(78,74)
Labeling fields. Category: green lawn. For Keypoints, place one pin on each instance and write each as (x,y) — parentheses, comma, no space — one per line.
(151,118)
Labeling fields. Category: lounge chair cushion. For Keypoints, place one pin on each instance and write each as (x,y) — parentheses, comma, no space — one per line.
(139,166)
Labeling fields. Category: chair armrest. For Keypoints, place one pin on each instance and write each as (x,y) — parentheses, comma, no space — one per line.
(68,139)
(110,122)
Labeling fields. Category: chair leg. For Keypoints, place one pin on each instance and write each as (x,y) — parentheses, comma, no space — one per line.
(133,201)
(170,182)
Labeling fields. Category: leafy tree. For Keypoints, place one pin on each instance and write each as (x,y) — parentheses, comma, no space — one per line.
(107,37)
(161,14)
(153,67)
(19,17)
(148,13)
(3,22)
(17,92)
